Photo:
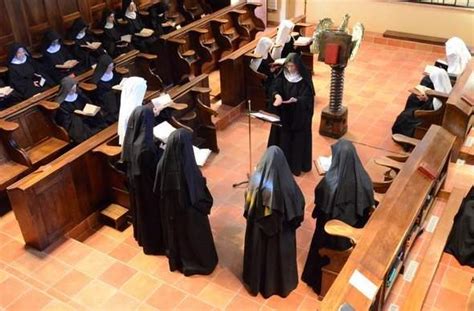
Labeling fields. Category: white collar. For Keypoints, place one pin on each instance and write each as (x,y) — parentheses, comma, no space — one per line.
(53,48)
(71,97)
(109,25)
(131,15)
(81,35)
(17,61)
(293,78)
(106,77)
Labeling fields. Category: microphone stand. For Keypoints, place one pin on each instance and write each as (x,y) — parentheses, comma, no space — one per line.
(249,106)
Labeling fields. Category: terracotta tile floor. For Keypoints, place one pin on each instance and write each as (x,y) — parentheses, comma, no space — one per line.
(108,271)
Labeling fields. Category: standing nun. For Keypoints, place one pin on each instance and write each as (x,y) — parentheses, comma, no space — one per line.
(105,77)
(79,127)
(185,204)
(26,75)
(133,93)
(345,193)
(141,155)
(283,41)
(292,94)
(274,209)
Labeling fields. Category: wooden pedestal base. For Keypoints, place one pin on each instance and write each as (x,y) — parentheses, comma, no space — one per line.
(333,124)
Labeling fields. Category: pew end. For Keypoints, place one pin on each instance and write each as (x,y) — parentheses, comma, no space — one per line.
(341,229)
(88,87)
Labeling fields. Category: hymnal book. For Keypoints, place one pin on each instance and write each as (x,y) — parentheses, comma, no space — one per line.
(201,155)
(89,110)
(265,116)
(303,41)
(42,81)
(419,90)
(178,27)
(163,101)
(279,61)
(119,86)
(145,32)
(5,91)
(126,38)
(163,130)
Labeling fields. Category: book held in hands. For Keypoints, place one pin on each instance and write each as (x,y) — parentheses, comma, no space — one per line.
(89,110)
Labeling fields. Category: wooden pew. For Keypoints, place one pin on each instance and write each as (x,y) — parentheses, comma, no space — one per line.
(458,118)
(391,230)
(239,82)
(427,269)
(430,117)
(197,47)
(59,196)
(467,150)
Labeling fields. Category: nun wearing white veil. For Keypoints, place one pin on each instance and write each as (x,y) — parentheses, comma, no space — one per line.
(441,83)
(283,41)
(262,50)
(133,93)
(457,55)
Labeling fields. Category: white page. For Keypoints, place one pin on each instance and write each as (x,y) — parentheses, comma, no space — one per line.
(126,38)
(265,116)
(163,130)
(325,162)
(363,285)
(162,101)
(201,155)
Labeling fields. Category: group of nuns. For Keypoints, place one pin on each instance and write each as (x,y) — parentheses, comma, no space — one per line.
(28,76)
(438,79)
(170,202)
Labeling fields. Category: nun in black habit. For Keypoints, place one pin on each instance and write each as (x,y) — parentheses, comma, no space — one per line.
(7,100)
(140,156)
(345,193)
(79,127)
(461,239)
(105,77)
(27,77)
(292,94)
(135,25)
(274,209)
(159,22)
(185,203)
(55,54)
(81,37)
(112,40)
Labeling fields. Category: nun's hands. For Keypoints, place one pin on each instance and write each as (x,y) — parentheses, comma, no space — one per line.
(278,101)
(290,101)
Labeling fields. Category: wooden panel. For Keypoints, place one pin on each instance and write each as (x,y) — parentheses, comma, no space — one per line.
(95,9)
(71,10)
(37,18)
(6,32)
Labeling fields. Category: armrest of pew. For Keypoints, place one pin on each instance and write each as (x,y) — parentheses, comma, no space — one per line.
(143,13)
(3,70)
(398,157)
(340,228)
(147,56)
(200,31)
(201,90)
(238,11)
(399,138)
(221,21)
(177,41)
(122,70)
(122,21)
(254,5)
(97,32)
(430,116)
(89,87)
(178,124)
(8,126)
(440,95)
(69,42)
(205,108)
(389,163)
(48,105)
(303,25)
(253,55)
(109,151)
(36,55)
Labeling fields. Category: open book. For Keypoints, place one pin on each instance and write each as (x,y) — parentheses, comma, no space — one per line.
(419,90)
(5,91)
(279,61)
(145,32)
(163,101)
(119,86)
(323,164)
(201,155)
(126,38)
(89,110)
(265,116)
(303,41)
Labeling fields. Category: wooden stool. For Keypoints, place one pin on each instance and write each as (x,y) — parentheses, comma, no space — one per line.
(115,216)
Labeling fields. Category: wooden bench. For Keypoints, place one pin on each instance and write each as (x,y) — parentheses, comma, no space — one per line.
(239,82)
(427,269)
(458,118)
(391,230)
(57,197)
(414,37)
(197,47)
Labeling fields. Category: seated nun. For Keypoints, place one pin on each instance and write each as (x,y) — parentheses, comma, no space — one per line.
(457,56)
(263,63)
(71,101)
(132,95)
(406,122)
(274,209)
(112,40)
(185,203)
(140,155)
(86,48)
(8,96)
(284,41)
(141,38)
(345,193)
(105,77)
(159,22)
(59,62)
(27,77)
(461,239)
(292,94)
